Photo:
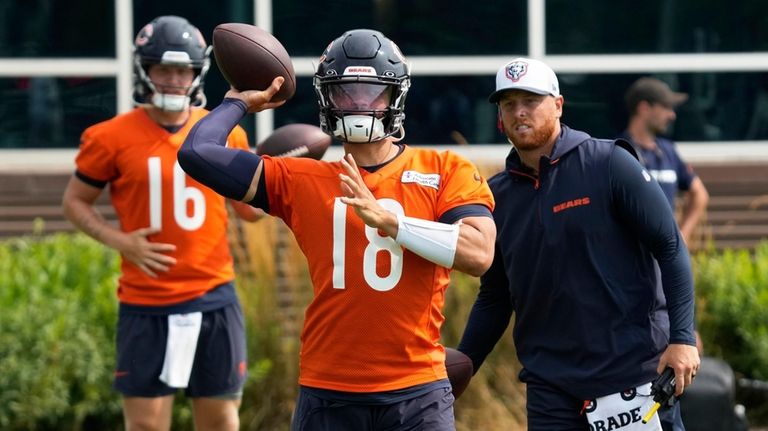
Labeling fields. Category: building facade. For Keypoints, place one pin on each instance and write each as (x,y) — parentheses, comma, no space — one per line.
(67,65)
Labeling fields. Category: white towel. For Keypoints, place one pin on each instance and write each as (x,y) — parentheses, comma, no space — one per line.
(623,411)
(183,331)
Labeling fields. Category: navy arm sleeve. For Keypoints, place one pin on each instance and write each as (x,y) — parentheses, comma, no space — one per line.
(205,157)
(490,314)
(642,204)
(472,210)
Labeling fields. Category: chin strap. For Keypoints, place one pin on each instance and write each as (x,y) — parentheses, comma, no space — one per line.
(431,240)
(402,134)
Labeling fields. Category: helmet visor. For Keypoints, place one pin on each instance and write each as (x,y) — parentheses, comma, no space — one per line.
(360,96)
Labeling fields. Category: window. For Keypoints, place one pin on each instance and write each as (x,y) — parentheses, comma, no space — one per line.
(655,26)
(50,112)
(418,27)
(458,45)
(49,28)
(721,106)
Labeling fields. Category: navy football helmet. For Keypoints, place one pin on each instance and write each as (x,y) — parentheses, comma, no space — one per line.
(361,84)
(170,40)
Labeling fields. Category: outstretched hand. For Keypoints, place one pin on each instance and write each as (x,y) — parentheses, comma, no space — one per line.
(357,195)
(259,100)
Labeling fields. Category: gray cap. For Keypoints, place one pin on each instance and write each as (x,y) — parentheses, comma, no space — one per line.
(652,91)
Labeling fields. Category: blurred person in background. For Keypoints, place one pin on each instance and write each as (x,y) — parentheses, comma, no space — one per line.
(580,227)
(180,322)
(651,106)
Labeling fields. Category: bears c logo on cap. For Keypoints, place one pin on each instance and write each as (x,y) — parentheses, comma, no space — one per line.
(516,70)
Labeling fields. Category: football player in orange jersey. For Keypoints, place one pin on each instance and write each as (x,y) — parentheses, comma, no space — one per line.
(180,323)
(381,229)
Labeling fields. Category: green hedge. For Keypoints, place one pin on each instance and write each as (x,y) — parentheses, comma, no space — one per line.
(58,314)
(732,305)
(56,330)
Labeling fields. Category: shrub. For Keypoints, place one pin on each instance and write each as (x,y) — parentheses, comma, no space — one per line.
(56,331)
(58,314)
(732,306)
(732,298)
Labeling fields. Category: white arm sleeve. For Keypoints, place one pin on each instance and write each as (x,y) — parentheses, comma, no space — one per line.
(431,240)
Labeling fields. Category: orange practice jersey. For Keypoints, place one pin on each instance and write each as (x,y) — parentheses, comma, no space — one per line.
(374,322)
(148,188)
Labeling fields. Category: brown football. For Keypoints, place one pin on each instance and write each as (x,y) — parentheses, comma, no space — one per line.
(295,140)
(251,58)
(460,370)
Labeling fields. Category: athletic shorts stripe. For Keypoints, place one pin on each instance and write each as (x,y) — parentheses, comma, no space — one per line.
(219,368)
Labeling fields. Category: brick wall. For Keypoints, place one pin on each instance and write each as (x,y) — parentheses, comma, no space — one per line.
(737,215)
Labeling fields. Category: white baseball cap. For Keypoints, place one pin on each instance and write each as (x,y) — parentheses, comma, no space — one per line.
(525,74)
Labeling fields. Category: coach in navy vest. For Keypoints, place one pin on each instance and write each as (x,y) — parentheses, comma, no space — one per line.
(580,226)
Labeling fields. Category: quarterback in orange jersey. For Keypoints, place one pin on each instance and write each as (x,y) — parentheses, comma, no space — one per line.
(381,230)
(180,323)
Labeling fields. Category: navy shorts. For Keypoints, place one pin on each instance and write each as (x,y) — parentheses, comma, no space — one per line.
(219,368)
(432,411)
(550,409)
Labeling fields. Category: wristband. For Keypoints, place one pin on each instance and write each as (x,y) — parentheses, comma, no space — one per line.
(431,240)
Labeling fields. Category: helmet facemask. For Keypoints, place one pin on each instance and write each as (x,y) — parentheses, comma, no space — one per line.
(362,110)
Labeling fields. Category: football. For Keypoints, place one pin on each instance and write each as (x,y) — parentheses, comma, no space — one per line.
(295,140)
(460,370)
(251,58)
